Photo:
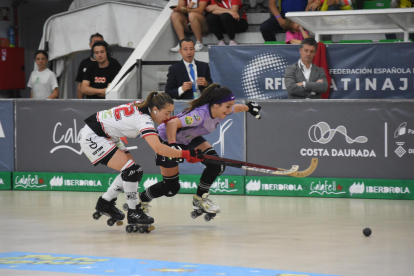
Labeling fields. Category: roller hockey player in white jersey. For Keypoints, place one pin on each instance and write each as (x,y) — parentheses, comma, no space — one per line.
(100,141)
(186,132)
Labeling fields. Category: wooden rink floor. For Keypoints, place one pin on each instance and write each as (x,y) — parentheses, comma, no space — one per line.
(306,235)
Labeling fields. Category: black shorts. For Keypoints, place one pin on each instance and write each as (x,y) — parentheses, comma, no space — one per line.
(166,162)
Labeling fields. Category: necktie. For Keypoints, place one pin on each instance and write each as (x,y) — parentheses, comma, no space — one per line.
(195,95)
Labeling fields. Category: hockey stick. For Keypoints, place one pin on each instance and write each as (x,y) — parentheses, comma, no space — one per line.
(249,166)
(308,171)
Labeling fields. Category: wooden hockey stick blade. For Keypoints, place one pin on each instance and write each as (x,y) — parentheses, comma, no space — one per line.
(248,166)
(308,171)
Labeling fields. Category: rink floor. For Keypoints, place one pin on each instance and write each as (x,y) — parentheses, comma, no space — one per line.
(254,236)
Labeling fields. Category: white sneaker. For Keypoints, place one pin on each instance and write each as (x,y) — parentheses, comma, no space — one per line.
(176,48)
(198,46)
(205,204)
(221,43)
(232,43)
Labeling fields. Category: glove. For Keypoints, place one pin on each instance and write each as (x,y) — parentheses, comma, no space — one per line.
(254,109)
(193,156)
(177,147)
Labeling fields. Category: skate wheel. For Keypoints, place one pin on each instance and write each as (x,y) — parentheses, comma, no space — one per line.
(119,223)
(96,215)
(194,214)
(150,228)
(125,207)
(129,228)
(207,217)
(135,229)
(141,229)
(111,222)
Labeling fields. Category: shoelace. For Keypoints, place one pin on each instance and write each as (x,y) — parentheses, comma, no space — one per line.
(209,202)
(145,208)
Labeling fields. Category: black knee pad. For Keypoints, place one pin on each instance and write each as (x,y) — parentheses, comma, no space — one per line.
(171,185)
(132,174)
(214,169)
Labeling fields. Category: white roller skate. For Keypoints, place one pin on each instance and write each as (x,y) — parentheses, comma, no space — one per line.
(203,205)
(108,208)
(142,225)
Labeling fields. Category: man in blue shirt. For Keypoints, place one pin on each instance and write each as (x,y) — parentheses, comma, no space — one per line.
(277,19)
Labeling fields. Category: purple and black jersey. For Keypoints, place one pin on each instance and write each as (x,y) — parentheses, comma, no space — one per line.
(195,123)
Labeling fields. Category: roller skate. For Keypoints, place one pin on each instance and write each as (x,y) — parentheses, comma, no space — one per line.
(203,205)
(108,208)
(138,220)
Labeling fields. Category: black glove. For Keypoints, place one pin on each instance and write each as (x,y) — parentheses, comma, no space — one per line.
(177,147)
(254,109)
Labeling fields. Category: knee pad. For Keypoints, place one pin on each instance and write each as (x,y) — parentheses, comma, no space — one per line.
(133,173)
(213,168)
(171,185)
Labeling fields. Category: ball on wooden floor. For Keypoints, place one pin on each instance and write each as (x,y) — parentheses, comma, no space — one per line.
(367,232)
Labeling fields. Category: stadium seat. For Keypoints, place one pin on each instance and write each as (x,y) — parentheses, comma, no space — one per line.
(355,41)
(377,4)
(274,42)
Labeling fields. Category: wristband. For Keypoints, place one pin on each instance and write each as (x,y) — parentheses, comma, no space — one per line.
(185,154)
(277,16)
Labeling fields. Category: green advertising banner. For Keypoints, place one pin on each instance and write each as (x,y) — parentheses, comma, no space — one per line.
(330,187)
(5,180)
(99,182)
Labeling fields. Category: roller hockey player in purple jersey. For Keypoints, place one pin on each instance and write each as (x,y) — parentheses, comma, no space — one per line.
(100,141)
(186,132)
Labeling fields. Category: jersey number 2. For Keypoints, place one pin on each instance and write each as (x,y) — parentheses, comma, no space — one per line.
(127,110)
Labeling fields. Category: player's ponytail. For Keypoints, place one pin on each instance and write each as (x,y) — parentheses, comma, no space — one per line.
(210,95)
(156,99)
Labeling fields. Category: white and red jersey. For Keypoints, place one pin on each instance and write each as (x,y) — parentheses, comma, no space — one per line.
(122,121)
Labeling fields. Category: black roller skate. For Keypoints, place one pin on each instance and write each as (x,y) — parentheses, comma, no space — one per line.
(108,208)
(203,205)
(139,221)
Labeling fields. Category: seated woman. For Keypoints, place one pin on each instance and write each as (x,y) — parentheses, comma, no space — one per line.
(224,18)
(294,32)
(188,18)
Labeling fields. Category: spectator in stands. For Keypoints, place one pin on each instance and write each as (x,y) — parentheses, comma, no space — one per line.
(294,32)
(226,16)
(257,6)
(305,80)
(88,62)
(99,76)
(277,18)
(188,17)
(188,78)
(398,4)
(43,81)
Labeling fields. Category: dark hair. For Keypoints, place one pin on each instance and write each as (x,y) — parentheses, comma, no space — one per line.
(288,26)
(186,39)
(309,41)
(210,95)
(95,35)
(41,52)
(159,100)
(104,44)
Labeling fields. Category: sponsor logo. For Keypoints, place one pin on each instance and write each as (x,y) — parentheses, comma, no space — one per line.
(402,130)
(29,182)
(326,188)
(188,120)
(188,184)
(100,79)
(223,128)
(92,145)
(322,133)
(400,151)
(131,195)
(98,150)
(70,136)
(58,181)
(256,185)
(50,260)
(360,188)
(1,181)
(197,117)
(223,186)
(2,131)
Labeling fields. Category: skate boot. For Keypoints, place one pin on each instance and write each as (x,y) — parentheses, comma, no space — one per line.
(108,208)
(203,205)
(138,221)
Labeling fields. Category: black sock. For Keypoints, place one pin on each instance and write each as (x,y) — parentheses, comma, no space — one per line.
(154,191)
